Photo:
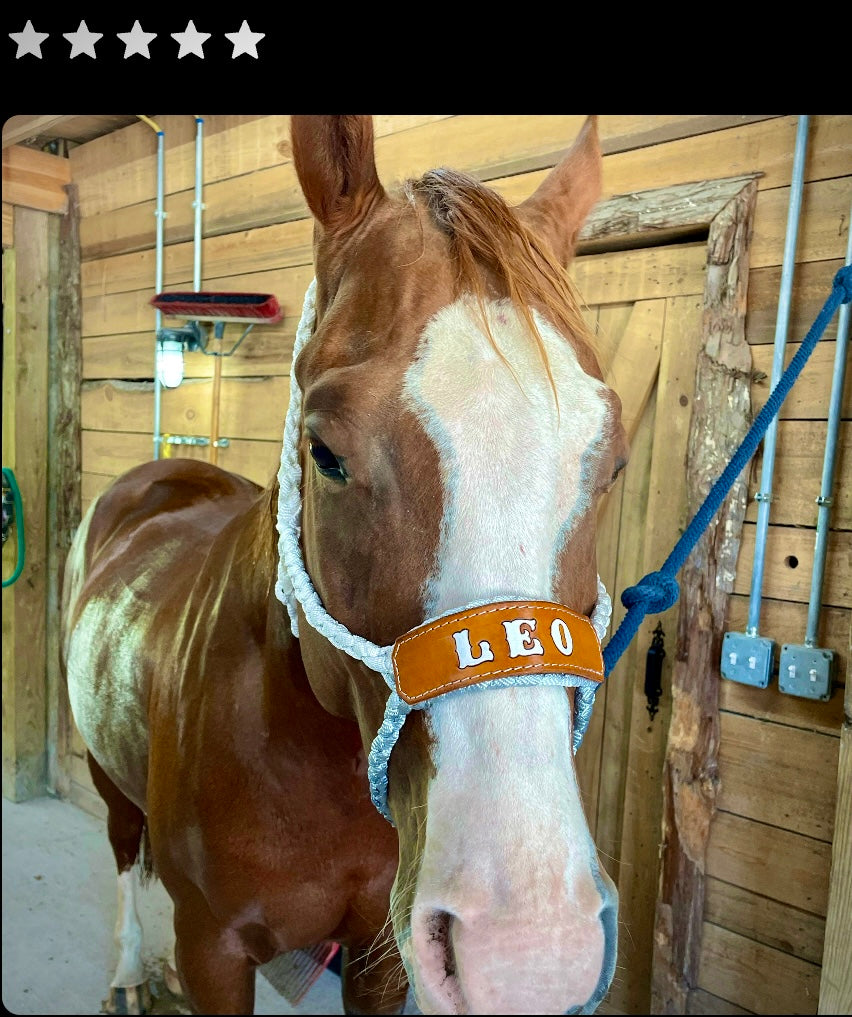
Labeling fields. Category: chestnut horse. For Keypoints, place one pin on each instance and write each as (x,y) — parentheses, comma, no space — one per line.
(261,676)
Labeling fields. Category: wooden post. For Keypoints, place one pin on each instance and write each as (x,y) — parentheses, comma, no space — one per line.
(25,358)
(64,470)
(835,989)
(690,775)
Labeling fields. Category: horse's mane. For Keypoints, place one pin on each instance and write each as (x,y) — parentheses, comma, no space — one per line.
(484,230)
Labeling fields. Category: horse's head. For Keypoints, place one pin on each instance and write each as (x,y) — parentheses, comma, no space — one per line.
(455,436)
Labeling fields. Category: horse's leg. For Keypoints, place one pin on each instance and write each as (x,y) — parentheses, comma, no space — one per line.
(215,972)
(129,992)
(373,984)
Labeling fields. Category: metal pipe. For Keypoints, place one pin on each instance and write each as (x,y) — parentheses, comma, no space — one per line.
(197,204)
(158,280)
(825,497)
(764,495)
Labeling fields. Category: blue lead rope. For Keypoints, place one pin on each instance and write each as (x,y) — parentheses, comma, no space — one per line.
(658,591)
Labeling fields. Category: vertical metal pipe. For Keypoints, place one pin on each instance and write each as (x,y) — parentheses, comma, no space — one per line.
(199,149)
(158,320)
(825,496)
(764,495)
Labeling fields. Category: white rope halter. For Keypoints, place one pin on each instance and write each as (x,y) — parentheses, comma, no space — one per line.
(294,587)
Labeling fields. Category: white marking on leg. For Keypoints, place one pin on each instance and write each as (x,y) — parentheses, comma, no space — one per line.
(130,970)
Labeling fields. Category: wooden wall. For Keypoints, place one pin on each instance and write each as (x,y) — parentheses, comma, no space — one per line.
(769,858)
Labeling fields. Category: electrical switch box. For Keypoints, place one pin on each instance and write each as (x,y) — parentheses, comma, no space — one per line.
(747,659)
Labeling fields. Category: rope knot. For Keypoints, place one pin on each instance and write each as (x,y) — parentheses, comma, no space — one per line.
(843,281)
(656,593)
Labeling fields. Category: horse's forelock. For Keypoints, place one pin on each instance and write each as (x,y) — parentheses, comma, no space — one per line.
(486,231)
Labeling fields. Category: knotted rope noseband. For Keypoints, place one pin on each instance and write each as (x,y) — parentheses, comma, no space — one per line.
(515,643)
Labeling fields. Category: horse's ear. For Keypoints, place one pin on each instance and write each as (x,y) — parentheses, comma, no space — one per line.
(336,167)
(563,200)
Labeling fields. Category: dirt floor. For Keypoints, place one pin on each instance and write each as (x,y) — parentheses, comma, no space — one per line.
(59,900)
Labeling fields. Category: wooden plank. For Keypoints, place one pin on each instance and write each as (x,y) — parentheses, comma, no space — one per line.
(812,282)
(8,224)
(701,1002)
(111,453)
(282,245)
(635,364)
(720,419)
(615,712)
(736,968)
(468,143)
(774,863)
(626,276)
(767,921)
(788,565)
(63,451)
(26,364)
(778,775)
(119,169)
(822,228)
(797,475)
(836,984)
(767,147)
(638,874)
(10,649)
(251,407)
(35,179)
(633,341)
(808,398)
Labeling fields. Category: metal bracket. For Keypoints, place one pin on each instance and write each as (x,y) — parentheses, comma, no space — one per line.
(806,671)
(191,439)
(747,659)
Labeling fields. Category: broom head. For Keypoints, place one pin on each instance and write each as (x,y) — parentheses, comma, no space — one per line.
(254,308)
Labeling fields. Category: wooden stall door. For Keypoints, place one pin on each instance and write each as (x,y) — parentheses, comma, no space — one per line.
(646,308)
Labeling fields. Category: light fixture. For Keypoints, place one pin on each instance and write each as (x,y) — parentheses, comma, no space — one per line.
(170,362)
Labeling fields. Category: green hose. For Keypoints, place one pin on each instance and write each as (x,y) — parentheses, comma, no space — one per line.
(9,478)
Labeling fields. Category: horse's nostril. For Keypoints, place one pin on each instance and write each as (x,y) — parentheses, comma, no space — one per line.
(438,932)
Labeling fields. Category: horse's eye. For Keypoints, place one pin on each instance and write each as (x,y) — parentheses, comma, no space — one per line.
(326,461)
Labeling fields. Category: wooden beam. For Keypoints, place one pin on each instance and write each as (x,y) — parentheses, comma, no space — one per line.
(835,991)
(19,128)
(64,468)
(8,225)
(690,773)
(25,386)
(35,179)
(659,215)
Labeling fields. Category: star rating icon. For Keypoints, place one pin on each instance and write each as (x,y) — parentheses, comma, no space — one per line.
(136,42)
(29,41)
(245,41)
(191,41)
(83,41)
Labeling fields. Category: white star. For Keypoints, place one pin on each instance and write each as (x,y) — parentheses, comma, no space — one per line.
(29,41)
(136,41)
(82,41)
(245,41)
(191,41)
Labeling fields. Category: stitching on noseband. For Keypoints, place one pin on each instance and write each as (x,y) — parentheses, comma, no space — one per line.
(294,587)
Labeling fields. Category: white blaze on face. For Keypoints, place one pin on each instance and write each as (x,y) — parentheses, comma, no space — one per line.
(513,468)
(506,835)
